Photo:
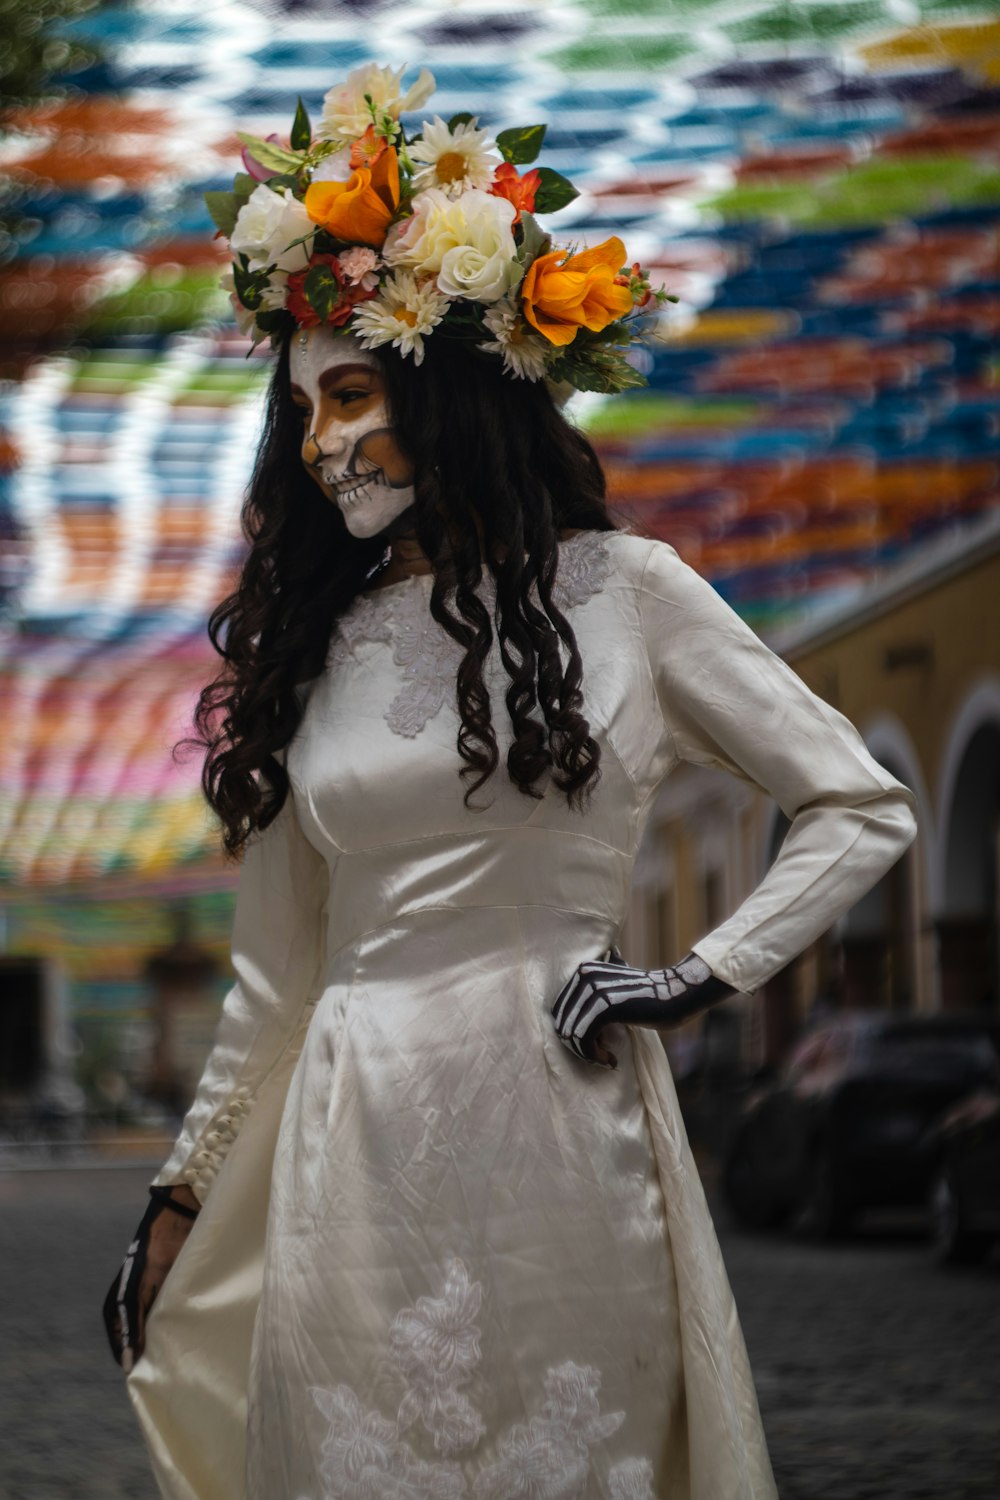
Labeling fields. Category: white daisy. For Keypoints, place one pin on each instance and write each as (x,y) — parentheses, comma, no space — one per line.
(525,354)
(273,295)
(401,314)
(455,160)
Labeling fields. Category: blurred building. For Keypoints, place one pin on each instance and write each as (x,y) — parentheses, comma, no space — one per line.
(914,662)
(820,186)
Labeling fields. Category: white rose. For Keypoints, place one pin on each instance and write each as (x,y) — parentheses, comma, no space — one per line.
(345,113)
(436,225)
(266,226)
(466,242)
(468,272)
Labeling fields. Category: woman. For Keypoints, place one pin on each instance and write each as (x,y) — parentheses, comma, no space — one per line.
(432,1227)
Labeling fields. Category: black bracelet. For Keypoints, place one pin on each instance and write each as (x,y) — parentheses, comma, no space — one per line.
(162,1195)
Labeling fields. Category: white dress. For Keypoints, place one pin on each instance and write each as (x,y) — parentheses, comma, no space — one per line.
(489,1271)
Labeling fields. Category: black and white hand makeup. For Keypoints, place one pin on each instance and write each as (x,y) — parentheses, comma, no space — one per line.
(348,444)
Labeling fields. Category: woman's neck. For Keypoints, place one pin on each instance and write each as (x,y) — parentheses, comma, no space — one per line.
(407,559)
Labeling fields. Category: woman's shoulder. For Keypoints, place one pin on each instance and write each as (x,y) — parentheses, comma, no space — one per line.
(622,566)
(657,583)
(631,559)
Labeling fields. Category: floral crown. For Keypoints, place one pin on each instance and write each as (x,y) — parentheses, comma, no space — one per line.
(395,236)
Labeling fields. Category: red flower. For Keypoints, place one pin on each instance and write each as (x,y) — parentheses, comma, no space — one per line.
(348,296)
(517,190)
(637,282)
(367,149)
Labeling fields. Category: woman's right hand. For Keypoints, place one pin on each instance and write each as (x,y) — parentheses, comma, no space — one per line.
(606,990)
(155,1246)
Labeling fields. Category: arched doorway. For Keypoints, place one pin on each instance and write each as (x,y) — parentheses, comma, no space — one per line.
(967,928)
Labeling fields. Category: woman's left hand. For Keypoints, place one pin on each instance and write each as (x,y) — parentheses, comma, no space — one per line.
(604,991)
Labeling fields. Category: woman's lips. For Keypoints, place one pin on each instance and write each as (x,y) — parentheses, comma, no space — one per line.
(350,488)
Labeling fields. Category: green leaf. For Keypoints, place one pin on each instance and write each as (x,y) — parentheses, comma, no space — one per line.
(554,191)
(270,155)
(248,284)
(463,118)
(597,369)
(273,319)
(224,208)
(534,240)
(244,185)
(282,180)
(521,144)
(301,136)
(322,290)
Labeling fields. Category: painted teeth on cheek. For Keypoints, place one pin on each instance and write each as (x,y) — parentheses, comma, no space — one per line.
(352,497)
(349,495)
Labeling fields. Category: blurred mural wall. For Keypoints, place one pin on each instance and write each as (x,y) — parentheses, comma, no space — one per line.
(818,182)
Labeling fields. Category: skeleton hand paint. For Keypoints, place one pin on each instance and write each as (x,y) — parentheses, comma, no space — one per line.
(152,1251)
(605,991)
(349,446)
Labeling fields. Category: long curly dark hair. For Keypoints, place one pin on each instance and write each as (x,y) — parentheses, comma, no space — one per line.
(475,438)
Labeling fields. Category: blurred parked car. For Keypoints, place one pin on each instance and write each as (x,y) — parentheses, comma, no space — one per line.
(845,1126)
(965,1191)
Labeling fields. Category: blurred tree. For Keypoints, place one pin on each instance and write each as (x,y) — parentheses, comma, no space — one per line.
(37,62)
(35,52)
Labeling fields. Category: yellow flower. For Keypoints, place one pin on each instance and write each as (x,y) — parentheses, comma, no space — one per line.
(346,111)
(562,294)
(358,211)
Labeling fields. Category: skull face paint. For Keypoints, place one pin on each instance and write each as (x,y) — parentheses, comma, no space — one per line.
(349,446)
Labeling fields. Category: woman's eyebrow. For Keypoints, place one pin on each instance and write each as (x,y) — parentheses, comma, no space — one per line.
(329,377)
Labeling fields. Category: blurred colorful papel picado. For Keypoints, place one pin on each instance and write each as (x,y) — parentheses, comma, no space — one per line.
(818,183)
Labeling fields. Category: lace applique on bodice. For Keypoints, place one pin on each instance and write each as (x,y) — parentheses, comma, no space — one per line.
(425,652)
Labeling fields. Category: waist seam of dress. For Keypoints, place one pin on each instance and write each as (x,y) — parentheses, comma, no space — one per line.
(429,838)
(572,911)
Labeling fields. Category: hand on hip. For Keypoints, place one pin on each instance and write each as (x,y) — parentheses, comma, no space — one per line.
(603,991)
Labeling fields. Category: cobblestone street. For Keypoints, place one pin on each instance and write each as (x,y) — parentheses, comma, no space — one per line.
(878,1373)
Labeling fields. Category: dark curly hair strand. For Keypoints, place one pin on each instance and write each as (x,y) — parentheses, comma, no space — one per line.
(499,472)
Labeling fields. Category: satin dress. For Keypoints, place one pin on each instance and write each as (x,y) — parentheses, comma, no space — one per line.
(440,1257)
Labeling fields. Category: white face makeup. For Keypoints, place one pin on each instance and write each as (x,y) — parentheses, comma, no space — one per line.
(348,444)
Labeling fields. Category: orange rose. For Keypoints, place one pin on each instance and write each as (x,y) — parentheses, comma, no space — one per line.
(562,294)
(360,210)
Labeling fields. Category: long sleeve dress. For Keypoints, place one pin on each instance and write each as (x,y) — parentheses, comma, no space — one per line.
(439,1257)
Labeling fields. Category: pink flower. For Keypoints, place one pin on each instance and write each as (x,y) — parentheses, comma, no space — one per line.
(359,265)
(253,166)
